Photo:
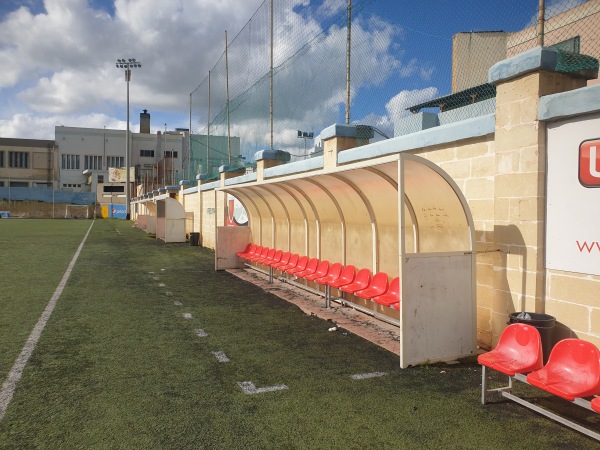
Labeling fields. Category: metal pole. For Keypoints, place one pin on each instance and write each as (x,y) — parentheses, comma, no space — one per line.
(52,162)
(540,30)
(127,193)
(348,43)
(208,130)
(227,90)
(271,83)
(127,65)
(189,143)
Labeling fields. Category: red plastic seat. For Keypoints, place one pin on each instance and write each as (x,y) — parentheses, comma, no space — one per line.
(391,296)
(377,286)
(258,255)
(275,259)
(519,350)
(248,250)
(595,404)
(333,273)
(302,263)
(396,306)
(346,277)
(285,258)
(572,371)
(253,251)
(321,271)
(291,264)
(267,257)
(361,281)
(311,267)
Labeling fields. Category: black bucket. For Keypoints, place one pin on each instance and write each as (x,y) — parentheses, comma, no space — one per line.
(545,325)
(194,239)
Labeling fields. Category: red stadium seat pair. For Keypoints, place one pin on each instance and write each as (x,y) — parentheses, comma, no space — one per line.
(572,371)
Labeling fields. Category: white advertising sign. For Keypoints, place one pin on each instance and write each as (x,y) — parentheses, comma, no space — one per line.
(118,175)
(573,200)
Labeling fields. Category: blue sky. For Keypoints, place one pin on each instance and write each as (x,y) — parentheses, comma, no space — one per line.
(58,56)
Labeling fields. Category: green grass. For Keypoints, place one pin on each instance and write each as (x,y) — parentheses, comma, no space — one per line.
(118,367)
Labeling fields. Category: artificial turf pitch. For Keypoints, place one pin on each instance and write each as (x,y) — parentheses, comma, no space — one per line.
(126,361)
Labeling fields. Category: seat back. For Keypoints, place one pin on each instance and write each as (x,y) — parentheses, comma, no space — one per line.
(312,265)
(334,271)
(578,360)
(264,252)
(394,288)
(363,278)
(321,271)
(379,283)
(521,345)
(285,258)
(301,265)
(270,254)
(293,262)
(347,275)
(276,257)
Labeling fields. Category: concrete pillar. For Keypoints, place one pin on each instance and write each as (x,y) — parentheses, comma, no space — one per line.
(266,159)
(520,180)
(339,137)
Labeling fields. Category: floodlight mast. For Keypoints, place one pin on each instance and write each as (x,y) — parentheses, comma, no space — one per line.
(127,64)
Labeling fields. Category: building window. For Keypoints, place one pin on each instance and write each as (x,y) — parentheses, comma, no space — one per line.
(18,159)
(70,162)
(1,159)
(170,154)
(1,183)
(100,178)
(18,184)
(93,162)
(147,153)
(115,161)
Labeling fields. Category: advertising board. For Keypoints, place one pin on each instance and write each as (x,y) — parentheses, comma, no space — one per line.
(573,196)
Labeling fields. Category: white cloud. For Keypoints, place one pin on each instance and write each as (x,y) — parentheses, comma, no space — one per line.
(35,127)
(62,70)
(62,61)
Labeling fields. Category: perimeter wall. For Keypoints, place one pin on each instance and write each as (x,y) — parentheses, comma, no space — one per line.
(500,164)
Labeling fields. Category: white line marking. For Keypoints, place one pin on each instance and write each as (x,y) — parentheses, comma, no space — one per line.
(14,376)
(249,388)
(362,376)
(221,356)
(162,285)
(168,294)
(201,333)
(177,303)
(187,316)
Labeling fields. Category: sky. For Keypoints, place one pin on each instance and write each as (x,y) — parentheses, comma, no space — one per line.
(58,56)
(58,60)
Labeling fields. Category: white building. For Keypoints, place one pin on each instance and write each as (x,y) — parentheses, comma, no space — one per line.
(86,154)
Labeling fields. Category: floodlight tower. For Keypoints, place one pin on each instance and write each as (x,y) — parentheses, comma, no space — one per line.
(127,64)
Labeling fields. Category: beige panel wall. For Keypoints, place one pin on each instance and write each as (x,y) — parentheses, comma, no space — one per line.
(192,205)
(471,164)
(574,299)
(208,219)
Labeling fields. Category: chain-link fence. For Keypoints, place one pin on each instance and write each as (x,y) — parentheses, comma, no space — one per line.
(405,66)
